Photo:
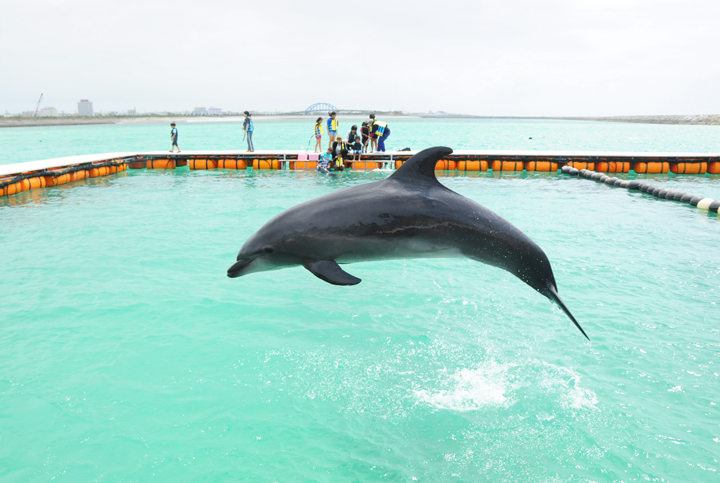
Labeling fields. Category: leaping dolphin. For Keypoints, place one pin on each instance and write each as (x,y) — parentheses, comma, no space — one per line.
(408,215)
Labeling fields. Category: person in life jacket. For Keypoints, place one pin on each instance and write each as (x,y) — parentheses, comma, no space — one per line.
(381,132)
(332,127)
(339,152)
(318,134)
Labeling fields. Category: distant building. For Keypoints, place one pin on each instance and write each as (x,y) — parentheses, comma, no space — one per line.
(132,112)
(199,111)
(48,112)
(85,108)
(28,113)
(214,111)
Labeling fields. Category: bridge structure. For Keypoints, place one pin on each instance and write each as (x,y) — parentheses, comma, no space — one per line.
(320,107)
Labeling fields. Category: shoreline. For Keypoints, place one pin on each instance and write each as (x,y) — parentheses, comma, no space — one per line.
(693,120)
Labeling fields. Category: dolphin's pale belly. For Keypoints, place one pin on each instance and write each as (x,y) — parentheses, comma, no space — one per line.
(388,249)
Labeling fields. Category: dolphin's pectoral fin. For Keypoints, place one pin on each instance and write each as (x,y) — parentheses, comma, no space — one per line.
(330,271)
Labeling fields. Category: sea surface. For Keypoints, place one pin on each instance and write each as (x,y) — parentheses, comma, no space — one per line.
(126,354)
(18,144)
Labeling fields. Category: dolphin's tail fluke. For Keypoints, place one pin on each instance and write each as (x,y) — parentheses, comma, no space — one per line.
(553,295)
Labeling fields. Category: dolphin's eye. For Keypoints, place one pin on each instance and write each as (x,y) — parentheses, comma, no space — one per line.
(268,250)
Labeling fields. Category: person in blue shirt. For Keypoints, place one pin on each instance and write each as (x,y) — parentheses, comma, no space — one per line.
(324,162)
(248,128)
(174,138)
(332,127)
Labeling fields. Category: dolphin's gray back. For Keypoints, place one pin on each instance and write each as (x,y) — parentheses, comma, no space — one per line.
(409,217)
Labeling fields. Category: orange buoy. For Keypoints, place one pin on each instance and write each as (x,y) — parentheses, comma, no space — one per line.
(161,163)
(499,165)
(714,167)
(33,183)
(230,163)
(445,165)
(80,175)
(202,163)
(472,165)
(57,180)
(582,165)
(99,171)
(12,188)
(652,167)
(545,166)
(181,162)
(689,168)
(276,164)
(136,165)
(262,164)
(619,166)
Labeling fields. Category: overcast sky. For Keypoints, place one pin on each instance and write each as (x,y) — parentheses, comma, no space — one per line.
(505,57)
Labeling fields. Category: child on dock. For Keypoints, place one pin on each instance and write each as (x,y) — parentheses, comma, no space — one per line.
(354,144)
(332,127)
(174,138)
(365,132)
(318,134)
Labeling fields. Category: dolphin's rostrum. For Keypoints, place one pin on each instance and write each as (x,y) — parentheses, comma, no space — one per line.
(408,215)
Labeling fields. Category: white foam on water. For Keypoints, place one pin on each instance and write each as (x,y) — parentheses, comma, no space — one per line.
(568,383)
(471,389)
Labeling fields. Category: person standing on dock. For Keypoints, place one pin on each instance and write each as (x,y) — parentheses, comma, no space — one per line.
(332,126)
(174,138)
(381,132)
(318,134)
(365,133)
(248,128)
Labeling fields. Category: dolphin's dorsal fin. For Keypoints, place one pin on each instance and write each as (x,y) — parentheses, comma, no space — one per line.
(330,271)
(422,165)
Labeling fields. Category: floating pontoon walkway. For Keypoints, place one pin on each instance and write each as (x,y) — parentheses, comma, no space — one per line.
(15,178)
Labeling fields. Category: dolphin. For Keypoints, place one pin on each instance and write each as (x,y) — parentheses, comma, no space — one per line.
(408,215)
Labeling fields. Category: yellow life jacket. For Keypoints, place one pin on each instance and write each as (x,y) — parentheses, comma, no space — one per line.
(380,128)
(318,128)
(334,125)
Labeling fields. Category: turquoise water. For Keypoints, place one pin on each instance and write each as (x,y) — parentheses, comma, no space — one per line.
(126,354)
(30,144)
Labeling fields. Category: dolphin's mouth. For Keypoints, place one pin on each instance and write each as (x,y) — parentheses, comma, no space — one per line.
(237,269)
